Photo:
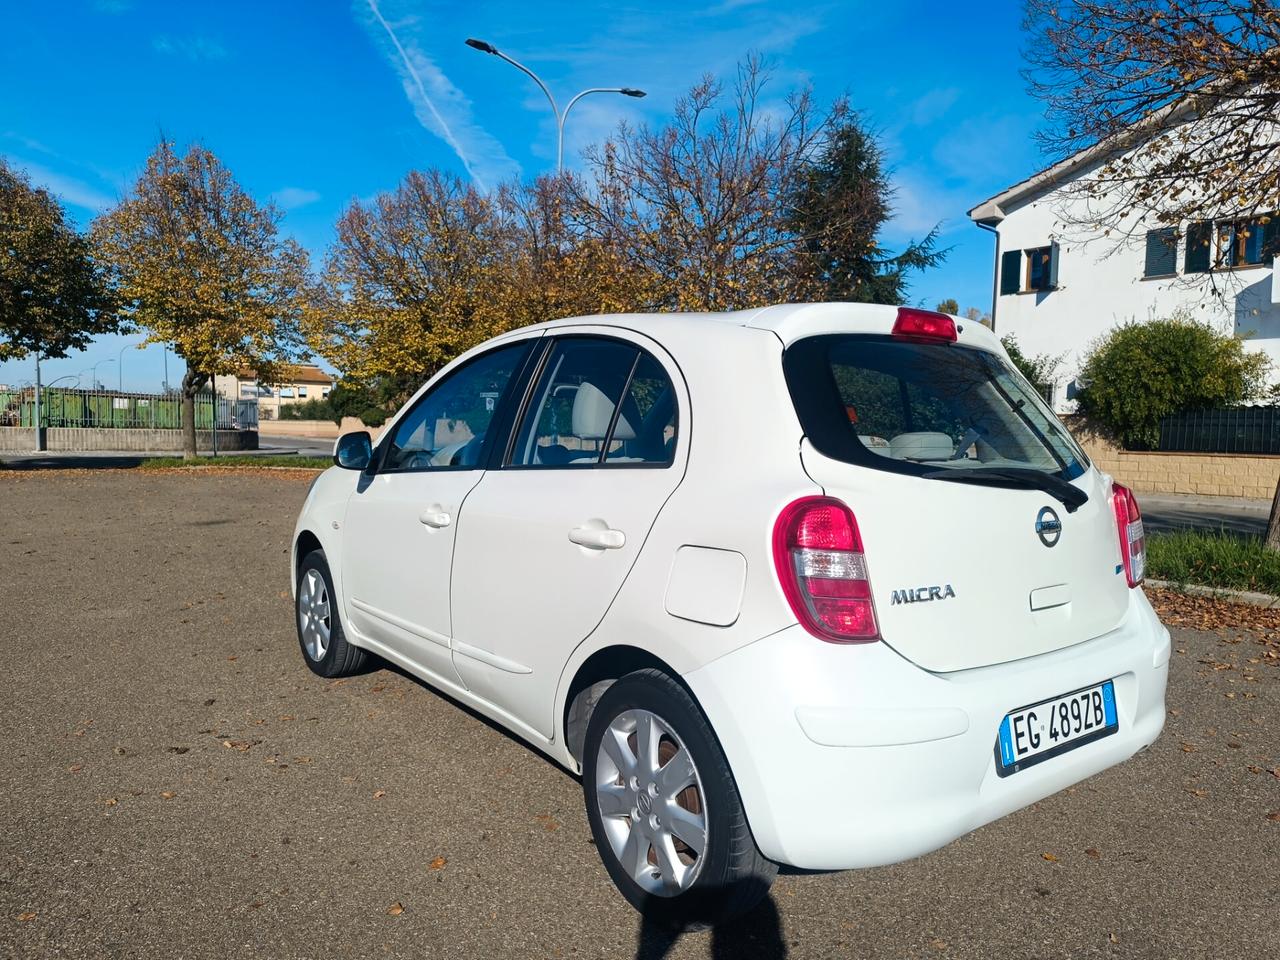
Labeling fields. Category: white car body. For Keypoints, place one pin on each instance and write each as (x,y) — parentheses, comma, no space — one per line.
(845,755)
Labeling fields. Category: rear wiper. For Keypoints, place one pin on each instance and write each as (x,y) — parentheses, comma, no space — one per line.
(1024,478)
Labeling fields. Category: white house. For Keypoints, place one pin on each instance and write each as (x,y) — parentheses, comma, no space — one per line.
(1060,283)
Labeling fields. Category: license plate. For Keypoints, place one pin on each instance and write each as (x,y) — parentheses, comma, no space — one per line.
(1041,731)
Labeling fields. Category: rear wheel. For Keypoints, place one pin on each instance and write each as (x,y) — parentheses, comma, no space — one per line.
(664,809)
(324,645)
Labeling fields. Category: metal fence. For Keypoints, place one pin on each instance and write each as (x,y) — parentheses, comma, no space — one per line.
(1227,430)
(120,409)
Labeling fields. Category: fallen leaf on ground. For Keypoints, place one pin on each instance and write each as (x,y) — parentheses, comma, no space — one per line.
(1049,856)
(379,794)
(75,768)
(1093,854)
(437,863)
(395,909)
(167,794)
(110,801)
(1274,815)
(24,917)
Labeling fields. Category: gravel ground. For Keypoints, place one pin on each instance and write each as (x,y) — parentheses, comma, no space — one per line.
(177,784)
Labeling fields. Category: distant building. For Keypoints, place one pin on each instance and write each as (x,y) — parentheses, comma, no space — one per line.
(1061,282)
(296,384)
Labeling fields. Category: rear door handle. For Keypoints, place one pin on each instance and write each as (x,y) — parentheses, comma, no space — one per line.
(598,538)
(435,517)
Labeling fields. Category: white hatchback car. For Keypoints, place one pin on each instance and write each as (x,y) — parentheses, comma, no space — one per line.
(825,585)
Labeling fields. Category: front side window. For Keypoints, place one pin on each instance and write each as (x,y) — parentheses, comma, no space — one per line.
(916,407)
(447,427)
(597,401)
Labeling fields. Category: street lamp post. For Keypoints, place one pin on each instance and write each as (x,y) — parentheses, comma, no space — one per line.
(560,117)
(93,375)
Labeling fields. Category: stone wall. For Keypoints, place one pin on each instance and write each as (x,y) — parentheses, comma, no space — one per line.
(103,439)
(316,429)
(1205,474)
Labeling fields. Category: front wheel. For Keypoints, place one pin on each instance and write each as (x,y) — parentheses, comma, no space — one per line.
(664,809)
(324,645)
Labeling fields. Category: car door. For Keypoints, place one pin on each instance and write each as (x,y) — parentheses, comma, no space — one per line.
(546,541)
(400,522)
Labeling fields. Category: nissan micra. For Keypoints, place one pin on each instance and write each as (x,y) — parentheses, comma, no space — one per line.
(825,585)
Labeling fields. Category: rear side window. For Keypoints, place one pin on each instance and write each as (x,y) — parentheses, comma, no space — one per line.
(913,407)
(597,401)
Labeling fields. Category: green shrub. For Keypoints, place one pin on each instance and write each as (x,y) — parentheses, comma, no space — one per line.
(1039,370)
(1140,372)
(373,416)
(317,408)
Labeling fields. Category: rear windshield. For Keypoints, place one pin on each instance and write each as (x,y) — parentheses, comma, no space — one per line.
(916,408)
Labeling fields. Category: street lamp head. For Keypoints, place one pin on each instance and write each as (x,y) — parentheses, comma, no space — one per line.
(632,92)
(481,45)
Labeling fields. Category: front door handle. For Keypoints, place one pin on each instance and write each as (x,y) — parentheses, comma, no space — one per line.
(435,517)
(598,538)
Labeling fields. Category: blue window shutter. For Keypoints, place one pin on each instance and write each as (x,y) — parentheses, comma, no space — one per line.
(1010,271)
(1055,254)
(1162,253)
(1199,237)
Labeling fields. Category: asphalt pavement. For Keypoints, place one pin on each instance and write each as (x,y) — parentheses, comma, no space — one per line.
(177,784)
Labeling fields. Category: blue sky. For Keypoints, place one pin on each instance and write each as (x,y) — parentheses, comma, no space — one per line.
(314,103)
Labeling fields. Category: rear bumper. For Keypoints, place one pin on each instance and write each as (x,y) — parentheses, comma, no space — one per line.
(851,756)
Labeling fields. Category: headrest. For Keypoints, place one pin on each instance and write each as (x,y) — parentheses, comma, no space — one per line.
(925,445)
(592,411)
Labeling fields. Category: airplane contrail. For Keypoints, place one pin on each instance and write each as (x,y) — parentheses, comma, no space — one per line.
(422,90)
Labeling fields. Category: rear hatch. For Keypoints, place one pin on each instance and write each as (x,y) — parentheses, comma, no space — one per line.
(988,536)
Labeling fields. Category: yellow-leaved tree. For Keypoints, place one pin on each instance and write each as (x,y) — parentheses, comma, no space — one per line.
(198,264)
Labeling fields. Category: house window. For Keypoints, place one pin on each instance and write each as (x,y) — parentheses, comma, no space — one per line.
(286,393)
(302,391)
(324,391)
(1232,243)
(1023,271)
(1162,253)
(1042,264)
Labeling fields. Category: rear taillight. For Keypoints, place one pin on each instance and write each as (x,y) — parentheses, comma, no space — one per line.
(818,554)
(1133,545)
(915,324)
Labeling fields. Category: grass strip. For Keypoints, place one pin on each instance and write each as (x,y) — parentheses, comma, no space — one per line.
(1224,560)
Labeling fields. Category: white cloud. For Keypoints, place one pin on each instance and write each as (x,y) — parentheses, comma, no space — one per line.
(439,105)
(195,49)
(68,189)
(291,198)
(933,106)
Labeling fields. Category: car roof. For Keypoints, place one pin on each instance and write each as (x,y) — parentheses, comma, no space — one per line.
(788,321)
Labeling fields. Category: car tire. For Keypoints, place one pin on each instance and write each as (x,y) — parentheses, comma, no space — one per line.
(324,645)
(646,821)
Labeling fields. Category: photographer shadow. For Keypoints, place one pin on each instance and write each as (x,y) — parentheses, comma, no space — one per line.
(757,935)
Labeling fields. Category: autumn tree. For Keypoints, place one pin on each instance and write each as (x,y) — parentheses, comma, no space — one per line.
(198,264)
(1183,97)
(700,205)
(561,270)
(839,207)
(414,278)
(52,299)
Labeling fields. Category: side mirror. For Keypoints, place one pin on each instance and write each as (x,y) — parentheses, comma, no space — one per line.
(353,451)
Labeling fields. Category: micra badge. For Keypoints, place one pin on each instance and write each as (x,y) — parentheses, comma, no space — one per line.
(923,594)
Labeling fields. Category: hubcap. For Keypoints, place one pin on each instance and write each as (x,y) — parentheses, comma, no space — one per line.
(313,614)
(651,802)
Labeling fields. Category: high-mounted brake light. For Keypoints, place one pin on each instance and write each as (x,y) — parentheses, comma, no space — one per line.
(817,551)
(1133,544)
(914,324)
